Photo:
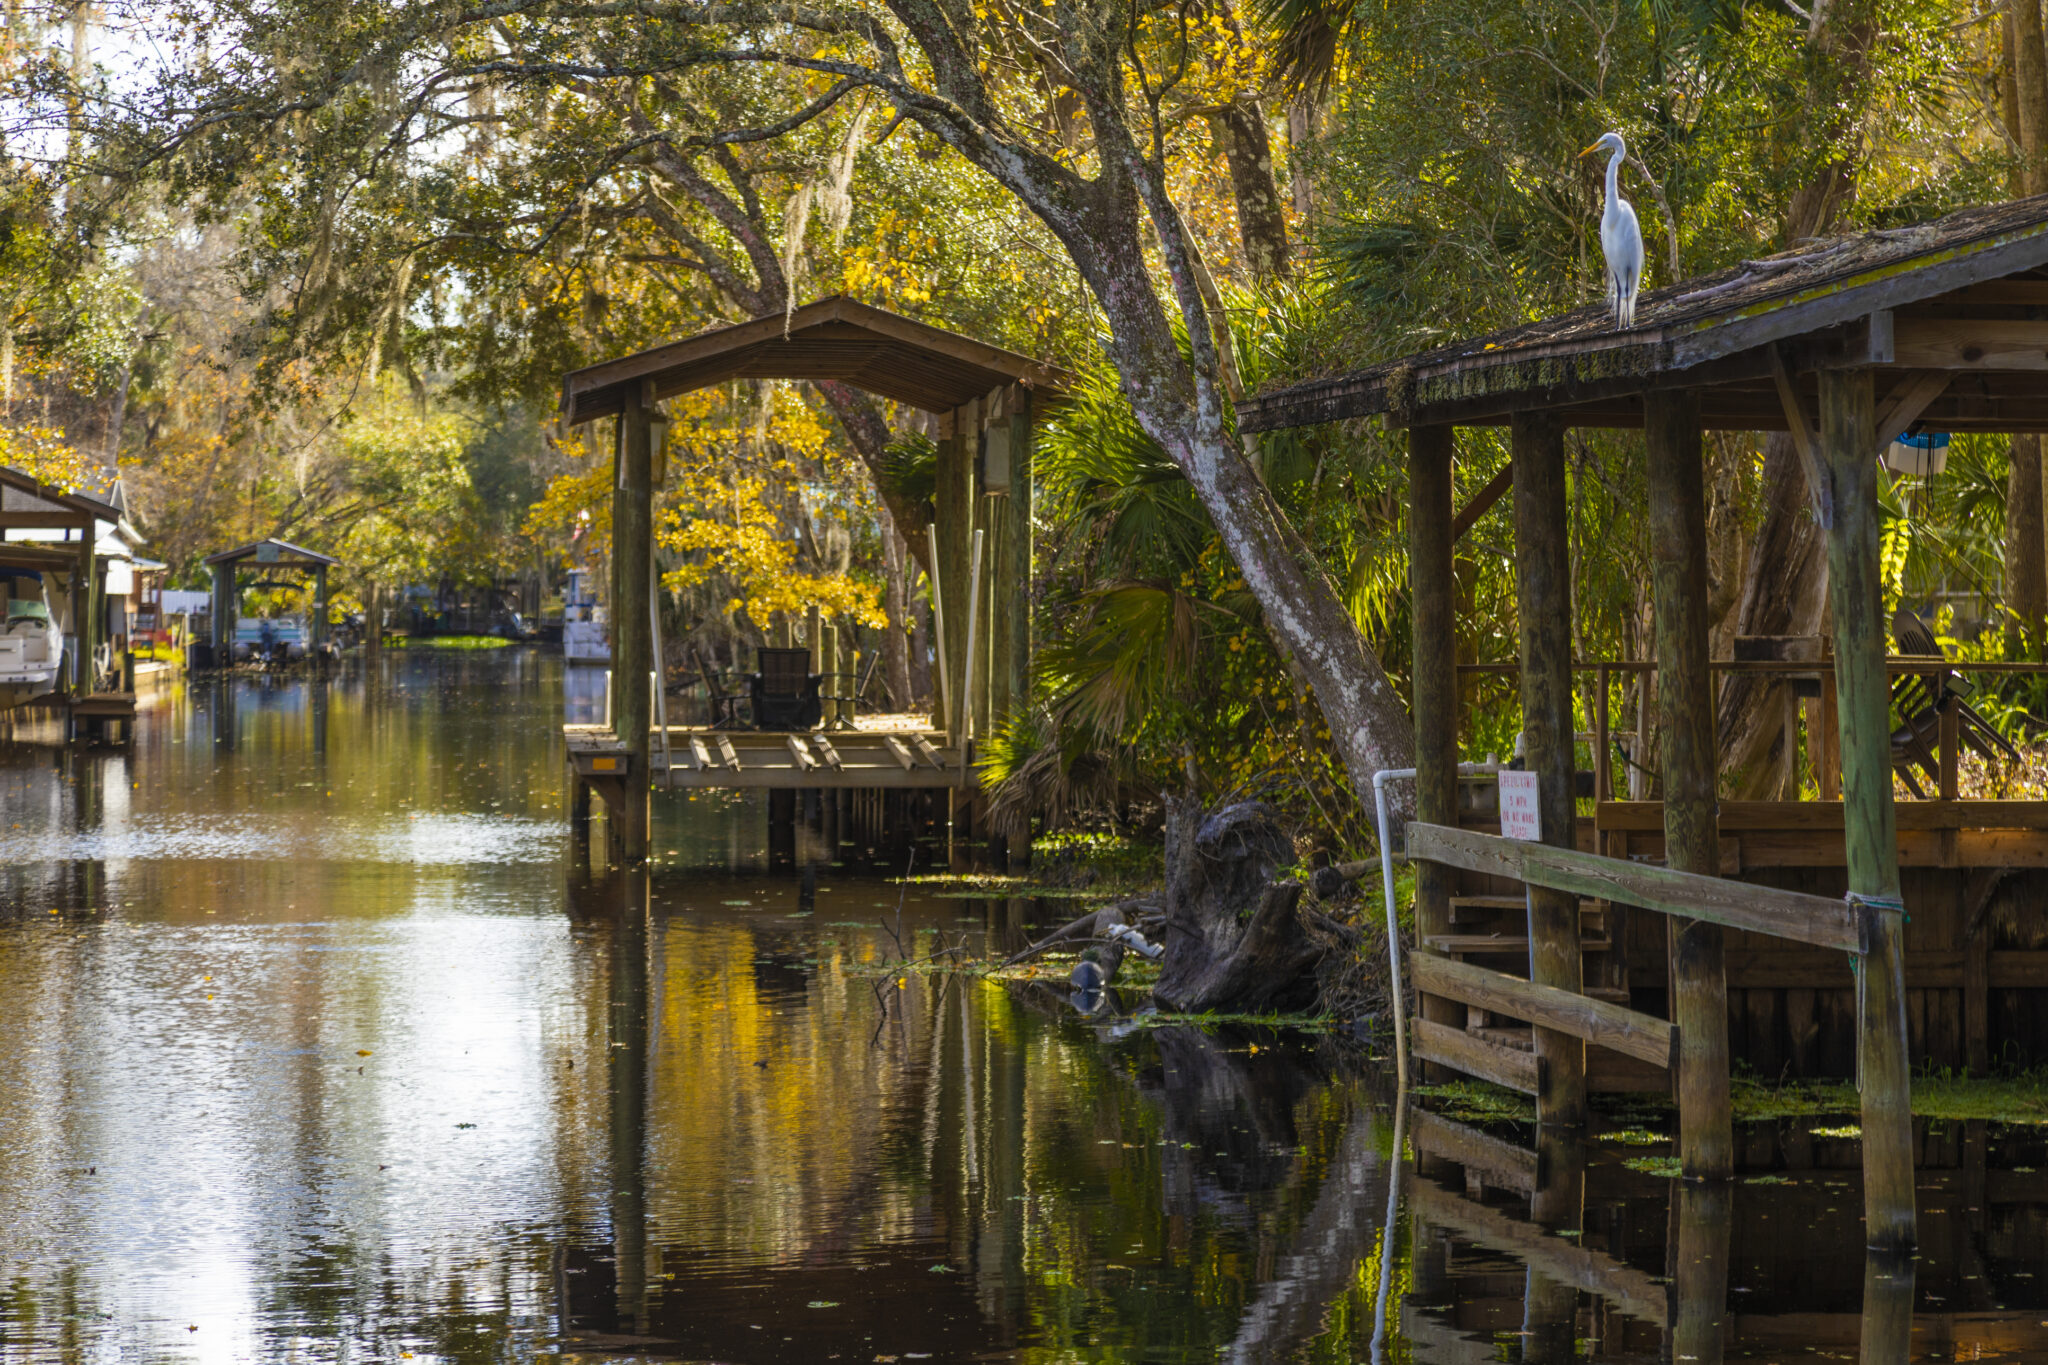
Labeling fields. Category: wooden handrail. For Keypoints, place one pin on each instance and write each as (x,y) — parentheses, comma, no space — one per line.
(1599,1022)
(1792,915)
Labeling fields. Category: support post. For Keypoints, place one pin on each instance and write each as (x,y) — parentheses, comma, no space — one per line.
(1433,594)
(826,651)
(632,624)
(953,506)
(1543,599)
(1863,692)
(319,609)
(1692,840)
(223,613)
(87,612)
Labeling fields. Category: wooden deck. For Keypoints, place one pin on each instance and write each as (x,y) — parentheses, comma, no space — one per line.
(708,758)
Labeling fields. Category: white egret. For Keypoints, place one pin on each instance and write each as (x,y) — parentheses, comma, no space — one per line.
(1621,236)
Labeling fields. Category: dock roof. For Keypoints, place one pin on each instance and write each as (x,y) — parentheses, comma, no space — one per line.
(834,339)
(1964,296)
(272,551)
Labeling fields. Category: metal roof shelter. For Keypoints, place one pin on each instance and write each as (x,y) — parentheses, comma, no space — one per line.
(1846,343)
(271,552)
(984,400)
(836,339)
(268,553)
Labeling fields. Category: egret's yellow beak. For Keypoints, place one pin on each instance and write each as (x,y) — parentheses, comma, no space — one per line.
(1590,150)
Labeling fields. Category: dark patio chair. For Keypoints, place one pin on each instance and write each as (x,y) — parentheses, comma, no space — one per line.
(785,691)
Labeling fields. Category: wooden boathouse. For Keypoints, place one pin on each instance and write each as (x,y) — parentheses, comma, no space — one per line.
(980,403)
(96,686)
(1634,943)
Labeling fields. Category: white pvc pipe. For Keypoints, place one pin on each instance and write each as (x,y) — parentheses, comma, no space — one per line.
(945,707)
(1379,798)
(973,642)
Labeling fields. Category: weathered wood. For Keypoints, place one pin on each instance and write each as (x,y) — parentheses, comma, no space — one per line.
(1234,939)
(700,757)
(632,620)
(1433,608)
(1701,1216)
(801,754)
(926,751)
(897,750)
(953,504)
(1803,440)
(1459,1050)
(1596,1021)
(827,752)
(1543,599)
(1971,344)
(728,753)
(1827,816)
(1676,500)
(1498,1163)
(1905,405)
(1793,915)
(1855,590)
(1482,501)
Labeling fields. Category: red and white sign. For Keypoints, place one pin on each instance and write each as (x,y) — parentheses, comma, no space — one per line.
(1519,818)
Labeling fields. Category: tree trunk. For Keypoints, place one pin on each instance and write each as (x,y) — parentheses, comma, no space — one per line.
(1234,939)
(1240,132)
(1784,593)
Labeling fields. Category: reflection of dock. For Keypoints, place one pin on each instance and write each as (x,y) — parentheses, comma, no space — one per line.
(96,710)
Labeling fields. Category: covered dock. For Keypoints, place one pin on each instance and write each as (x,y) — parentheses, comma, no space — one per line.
(1615,951)
(62,534)
(269,555)
(981,402)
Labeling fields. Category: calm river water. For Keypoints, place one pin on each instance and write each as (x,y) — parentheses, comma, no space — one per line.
(320,1041)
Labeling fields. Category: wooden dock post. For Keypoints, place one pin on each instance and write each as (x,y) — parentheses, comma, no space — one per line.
(632,624)
(1433,596)
(953,508)
(1543,601)
(1697,1262)
(1692,842)
(1863,693)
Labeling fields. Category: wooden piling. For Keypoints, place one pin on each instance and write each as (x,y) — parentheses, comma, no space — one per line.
(1543,599)
(953,508)
(825,651)
(1697,1262)
(1692,842)
(1433,609)
(1863,695)
(632,624)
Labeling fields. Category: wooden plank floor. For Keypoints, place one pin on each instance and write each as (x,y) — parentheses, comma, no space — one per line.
(704,757)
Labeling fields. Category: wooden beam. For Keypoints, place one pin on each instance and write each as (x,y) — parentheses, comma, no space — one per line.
(1605,1025)
(898,751)
(1817,485)
(1906,404)
(1461,1051)
(1793,915)
(1482,501)
(926,751)
(800,753)
(1972,344)
(826,751)
(700,757)
(1676,499)
(1543,599)
(632,618)
(1863,691)
(728,753)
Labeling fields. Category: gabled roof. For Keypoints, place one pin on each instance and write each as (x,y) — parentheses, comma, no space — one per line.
(1837,299)
(25,501)
(271,551)
(833,339)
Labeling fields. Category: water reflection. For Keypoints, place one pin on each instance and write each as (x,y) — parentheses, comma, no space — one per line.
(323,1042)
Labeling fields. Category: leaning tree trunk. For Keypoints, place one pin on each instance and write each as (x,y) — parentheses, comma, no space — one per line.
(1235,941)
(1784,593)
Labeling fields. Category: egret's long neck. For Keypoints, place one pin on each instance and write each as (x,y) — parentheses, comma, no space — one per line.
(1613,178)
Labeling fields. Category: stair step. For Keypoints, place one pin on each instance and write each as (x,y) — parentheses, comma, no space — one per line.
(1471,909)
(1517,1036)
(1492,945)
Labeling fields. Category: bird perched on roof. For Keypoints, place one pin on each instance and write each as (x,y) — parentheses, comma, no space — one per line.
(1621,236)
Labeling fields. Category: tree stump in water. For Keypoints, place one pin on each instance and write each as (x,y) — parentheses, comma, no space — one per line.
(1235,941)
